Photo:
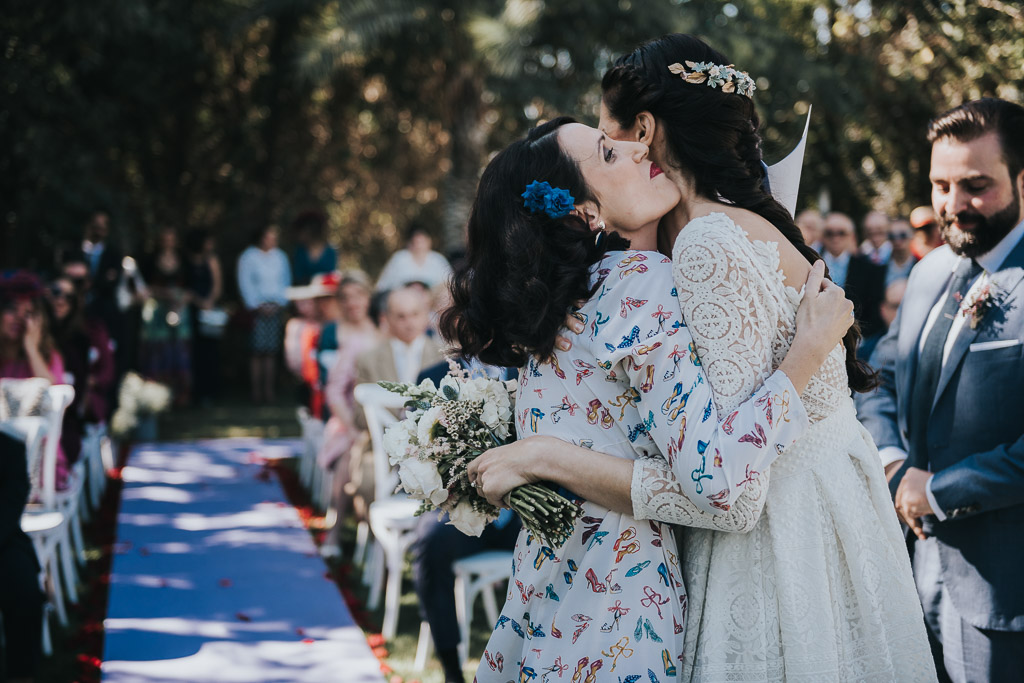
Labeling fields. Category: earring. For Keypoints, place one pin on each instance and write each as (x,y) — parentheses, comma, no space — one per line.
(600,226)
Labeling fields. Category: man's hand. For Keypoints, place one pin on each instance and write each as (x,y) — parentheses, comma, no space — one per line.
(912,500)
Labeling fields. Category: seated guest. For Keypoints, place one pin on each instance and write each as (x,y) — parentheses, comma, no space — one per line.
(21,600)
(89,366)
(902,259)
(863,280)
(887,312)
(405,350)
(354,334)
(316,306)
(418,262)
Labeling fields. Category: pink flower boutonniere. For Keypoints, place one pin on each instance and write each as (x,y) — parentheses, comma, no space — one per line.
(977,304)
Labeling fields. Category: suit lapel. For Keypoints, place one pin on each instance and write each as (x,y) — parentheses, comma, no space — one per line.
(1003,282)
(387,361)
(914,314)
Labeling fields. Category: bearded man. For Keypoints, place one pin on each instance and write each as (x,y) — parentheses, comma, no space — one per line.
(948,417)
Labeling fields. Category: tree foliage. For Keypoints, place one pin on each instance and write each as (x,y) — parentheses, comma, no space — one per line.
(231,113)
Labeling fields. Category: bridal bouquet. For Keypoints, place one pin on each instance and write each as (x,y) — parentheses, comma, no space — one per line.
(446,427)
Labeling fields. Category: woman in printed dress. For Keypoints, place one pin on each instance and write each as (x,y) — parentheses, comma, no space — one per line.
(820,589)
(609,604)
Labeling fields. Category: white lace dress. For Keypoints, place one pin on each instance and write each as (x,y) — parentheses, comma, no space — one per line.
(820,589)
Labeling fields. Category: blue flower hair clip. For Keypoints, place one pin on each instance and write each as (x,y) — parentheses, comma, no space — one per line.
(554,201)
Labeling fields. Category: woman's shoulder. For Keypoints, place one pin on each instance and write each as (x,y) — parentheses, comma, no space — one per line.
(634,300)
(624,268)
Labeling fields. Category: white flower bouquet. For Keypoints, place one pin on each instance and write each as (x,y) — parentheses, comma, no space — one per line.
(137,398)
(446,427)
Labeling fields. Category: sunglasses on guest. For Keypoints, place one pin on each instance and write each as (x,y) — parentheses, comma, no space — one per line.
(899,235)
(836,233)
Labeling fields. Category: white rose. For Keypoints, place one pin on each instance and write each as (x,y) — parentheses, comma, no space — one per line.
(467,520)
(475,389)
(422,481)
(427,385)
(397,439)
(427,421)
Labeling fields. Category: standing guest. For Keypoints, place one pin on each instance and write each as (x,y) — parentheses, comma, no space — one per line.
(88,355)
(876,244)
(947,417)
(263,276)
(355,334)
(165,352)
(416,263)
(104,263)
(812,225)
(902,259)
(927,235)
(863,280)
(204,286)
(313,255)
(21,600)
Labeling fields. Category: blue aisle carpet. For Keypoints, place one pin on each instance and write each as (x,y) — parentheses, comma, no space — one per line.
(214,577)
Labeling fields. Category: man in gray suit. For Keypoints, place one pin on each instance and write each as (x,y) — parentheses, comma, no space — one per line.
(948,417)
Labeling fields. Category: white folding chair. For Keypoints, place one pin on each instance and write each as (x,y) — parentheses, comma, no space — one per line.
(392,516)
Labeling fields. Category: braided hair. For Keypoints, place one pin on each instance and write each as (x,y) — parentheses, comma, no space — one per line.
(714,136)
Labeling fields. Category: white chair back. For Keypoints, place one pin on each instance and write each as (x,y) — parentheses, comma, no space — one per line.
(378,404)
(59,397)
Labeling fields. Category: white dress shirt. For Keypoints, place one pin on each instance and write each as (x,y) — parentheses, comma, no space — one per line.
(263,276)
(990,262)
(408,358)
(402,269)
(838,266)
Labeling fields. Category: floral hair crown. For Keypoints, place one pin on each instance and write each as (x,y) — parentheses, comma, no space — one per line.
(716,75)
(554,201)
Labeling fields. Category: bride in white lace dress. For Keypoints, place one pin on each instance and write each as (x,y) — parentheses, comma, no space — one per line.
(820,587)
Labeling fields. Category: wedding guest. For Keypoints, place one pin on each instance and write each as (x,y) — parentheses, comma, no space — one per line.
(418,262)
(355,333)
(27,348)
(405,350)
(901,259)
(88,355)
(21,600)
(876,244)
(863,280)
(927,235)
(887,312)
(313,255)
(316,304)
(104,263)
(948,418)
(204,286)
(263,276)
(165,351)
(812,225)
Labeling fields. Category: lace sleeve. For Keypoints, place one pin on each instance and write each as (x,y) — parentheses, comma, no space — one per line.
(658,495)
(729,305)
(713,460)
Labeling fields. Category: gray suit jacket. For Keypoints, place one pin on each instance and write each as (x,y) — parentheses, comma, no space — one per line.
(378,365)
(974,438)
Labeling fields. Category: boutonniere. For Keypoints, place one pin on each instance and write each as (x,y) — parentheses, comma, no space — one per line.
(977,304)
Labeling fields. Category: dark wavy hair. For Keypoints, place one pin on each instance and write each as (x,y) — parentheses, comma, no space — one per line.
(523,271)
(713,136)
(973,119)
